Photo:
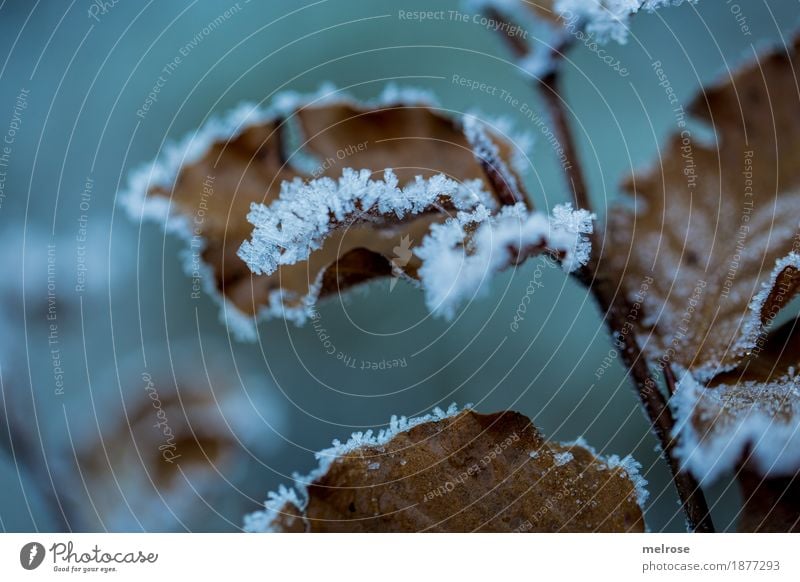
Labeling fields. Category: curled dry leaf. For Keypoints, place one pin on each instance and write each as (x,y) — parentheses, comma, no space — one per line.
(707,257)
(754,408)
(718,423)
(538,30)
(454,262)
(459,472)
(203,189)
(313,227)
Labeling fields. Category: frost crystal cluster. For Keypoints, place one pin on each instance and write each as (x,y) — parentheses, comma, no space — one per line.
(457,266)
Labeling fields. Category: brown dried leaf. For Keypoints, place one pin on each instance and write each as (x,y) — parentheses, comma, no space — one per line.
(705,236)
(412,140)
(707,258)
(755,408)
(775,357)
(717,424)
(210,194)
(462,472)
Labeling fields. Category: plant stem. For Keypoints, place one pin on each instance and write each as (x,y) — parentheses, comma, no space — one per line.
(550,90)
(616,308)
(652,400)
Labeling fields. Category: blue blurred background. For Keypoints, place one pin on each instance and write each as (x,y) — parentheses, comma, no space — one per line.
(82,364)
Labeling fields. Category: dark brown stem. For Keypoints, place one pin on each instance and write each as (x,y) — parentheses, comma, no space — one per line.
(616,310)
(550,85)
(515,43)
(573,172)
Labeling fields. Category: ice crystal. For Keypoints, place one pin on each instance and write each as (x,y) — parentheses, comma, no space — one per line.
(297,496)
(591,21)
(452,273)
(153,193)
(718,425)
(289,229)
(630,466)
(561,459)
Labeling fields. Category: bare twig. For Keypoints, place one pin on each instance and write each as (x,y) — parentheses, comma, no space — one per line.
(652,400)
(616,309)
(550,90)
(516,44)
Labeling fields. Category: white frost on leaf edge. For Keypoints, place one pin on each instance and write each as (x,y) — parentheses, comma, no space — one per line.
(507,129)
(157,209)
(774,446)
(297,223)
(753,328)
(451,274)
(260,521)
(627,464)
(753,331)
(163,171)
(486,152)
